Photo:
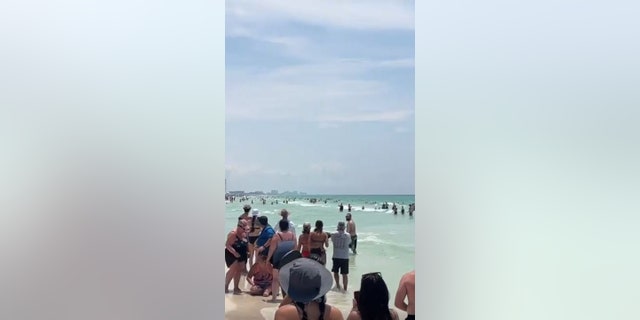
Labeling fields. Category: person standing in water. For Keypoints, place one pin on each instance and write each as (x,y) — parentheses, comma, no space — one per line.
(341,243)
(319,240)
(285,216)
(304,241)
(341,207)
(407,288)
(351,230)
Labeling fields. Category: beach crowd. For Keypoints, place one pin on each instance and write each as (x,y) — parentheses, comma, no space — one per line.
(277,261)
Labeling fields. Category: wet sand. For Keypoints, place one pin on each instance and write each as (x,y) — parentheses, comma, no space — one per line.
(246,307)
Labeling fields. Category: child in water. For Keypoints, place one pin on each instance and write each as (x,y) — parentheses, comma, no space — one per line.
(260,277)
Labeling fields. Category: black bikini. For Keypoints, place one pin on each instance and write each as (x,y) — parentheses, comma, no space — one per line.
(241,247)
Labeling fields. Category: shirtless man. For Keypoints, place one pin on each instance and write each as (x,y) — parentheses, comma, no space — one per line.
(407,288)
(351,230)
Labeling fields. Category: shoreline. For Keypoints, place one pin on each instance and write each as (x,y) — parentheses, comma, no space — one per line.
(247,307)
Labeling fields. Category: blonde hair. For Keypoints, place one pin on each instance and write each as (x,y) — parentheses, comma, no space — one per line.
(306,228)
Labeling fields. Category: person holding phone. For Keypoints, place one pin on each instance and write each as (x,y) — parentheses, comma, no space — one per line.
(371,302)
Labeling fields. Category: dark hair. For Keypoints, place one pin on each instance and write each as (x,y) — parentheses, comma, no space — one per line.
(263,220)
(321,305)
(284,225)
(319,226)
(306,228)
(246,208)
(373,303)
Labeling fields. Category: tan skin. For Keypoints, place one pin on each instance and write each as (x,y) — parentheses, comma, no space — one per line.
(351,226)
(247,218)
(290,312)
(255,233)
(235,270)
(260,267)
(275,240)
(407,288)
(304,240)
(317,240)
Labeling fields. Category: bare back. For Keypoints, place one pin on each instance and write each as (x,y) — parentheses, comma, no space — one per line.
(351,228)
(407,288)
(318,239)
(304,242)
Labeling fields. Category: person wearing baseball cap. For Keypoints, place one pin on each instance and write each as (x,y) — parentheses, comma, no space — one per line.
(341,241)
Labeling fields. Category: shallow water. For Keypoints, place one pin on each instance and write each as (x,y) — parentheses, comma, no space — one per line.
(385,241)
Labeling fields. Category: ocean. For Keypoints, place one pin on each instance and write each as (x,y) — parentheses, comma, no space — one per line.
(386,242)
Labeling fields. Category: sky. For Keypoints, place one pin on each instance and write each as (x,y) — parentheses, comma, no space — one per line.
(320,96)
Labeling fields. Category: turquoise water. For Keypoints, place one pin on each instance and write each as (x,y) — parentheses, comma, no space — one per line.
(385,241)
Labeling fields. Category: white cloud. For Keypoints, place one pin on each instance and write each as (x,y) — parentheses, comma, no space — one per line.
(352,14)
(325,92)
(326,81)
(382,116)
(242,169)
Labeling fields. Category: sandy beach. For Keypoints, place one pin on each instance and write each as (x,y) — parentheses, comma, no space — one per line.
(247,307)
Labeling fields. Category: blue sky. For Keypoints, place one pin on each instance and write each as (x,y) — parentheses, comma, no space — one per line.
(320,96)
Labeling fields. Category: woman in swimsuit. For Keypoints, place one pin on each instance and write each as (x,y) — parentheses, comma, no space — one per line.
(235,255)
(319,240)
(304,241)
(281,243)
(260,277)
(254,232)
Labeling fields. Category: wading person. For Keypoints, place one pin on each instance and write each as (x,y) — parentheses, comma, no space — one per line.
(351,230)
(341,241)
(319,241)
